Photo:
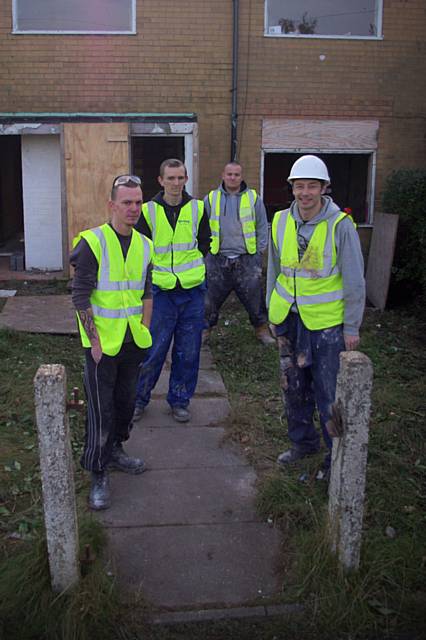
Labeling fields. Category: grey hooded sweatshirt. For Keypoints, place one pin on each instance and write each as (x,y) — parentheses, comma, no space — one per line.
(231,239)
(349,261)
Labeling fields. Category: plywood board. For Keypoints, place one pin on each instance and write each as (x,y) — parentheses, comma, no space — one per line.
(294,134)
(380,258)
(94,154)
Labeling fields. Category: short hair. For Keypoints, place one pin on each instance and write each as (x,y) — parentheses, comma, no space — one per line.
(173,163)
(234,163)
(130,183)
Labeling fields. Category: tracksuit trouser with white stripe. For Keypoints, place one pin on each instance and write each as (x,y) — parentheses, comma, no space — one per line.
(110,388)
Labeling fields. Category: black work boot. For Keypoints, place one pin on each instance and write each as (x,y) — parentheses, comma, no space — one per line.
(99,497)
(120,461)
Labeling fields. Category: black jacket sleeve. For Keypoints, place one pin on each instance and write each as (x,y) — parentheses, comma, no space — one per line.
(204,234)
(142,227)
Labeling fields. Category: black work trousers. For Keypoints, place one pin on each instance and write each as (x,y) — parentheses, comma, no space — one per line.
(110,388)
(242,275)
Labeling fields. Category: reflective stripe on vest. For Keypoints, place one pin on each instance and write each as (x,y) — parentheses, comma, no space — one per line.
(246,214)
(314,283)
(176,253)
(116,301)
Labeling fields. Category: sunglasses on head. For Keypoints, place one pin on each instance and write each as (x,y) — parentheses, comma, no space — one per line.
(122,180)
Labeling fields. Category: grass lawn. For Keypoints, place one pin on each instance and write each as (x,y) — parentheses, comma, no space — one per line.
(386,598)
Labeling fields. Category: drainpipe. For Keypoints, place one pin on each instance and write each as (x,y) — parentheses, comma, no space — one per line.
(234,115)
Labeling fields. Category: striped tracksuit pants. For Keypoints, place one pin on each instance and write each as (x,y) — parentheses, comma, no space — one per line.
(110,388)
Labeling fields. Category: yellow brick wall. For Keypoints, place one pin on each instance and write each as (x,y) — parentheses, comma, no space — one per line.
(180,61)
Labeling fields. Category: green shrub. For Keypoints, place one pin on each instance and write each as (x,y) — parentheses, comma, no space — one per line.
(405,194)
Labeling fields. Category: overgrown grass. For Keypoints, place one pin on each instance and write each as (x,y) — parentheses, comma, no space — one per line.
(32,611)
(388,594)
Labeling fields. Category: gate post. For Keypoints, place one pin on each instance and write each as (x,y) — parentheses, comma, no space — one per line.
(349,457)
(56,466)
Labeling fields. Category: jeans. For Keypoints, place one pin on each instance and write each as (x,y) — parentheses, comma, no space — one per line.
(242,275)
(309,364)
(177,315)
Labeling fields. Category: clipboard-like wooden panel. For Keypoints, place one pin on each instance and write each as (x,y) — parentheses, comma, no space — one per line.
(280,133)
(380,258)
(94,154)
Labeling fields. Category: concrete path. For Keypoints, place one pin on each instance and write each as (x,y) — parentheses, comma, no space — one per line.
(185,533)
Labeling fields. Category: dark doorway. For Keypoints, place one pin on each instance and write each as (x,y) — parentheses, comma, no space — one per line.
(349,181)
(148,152)
(11,205)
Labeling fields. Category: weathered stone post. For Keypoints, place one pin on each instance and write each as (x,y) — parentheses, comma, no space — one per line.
(57,476)
(349,457)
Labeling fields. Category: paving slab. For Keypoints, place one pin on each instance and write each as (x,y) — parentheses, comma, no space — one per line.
(197,565)
(180,448)
(40,314)
(205,411)
(200,615)
(182,496)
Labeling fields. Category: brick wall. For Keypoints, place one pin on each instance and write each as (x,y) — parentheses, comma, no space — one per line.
(181,61)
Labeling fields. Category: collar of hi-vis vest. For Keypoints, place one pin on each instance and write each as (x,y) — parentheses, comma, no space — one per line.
(217,199)
(179,246)
(105,283)
(319,259)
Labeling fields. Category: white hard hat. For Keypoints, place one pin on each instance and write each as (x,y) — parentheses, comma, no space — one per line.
(309,167)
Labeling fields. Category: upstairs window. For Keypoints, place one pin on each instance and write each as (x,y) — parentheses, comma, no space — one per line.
(324,18)
(74,16)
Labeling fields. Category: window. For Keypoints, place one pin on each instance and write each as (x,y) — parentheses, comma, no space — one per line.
(78,16)
(323,18)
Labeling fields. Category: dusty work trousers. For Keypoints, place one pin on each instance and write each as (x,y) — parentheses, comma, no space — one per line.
(110,388)
(309,363)
(242,275)
(177,315)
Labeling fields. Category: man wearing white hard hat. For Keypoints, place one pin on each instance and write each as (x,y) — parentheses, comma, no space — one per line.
(315,298)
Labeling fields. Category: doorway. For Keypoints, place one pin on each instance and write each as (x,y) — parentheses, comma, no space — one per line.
(148,152)
(349,173)
(11,205)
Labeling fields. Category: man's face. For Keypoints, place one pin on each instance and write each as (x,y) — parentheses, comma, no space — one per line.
(173,181)
(232,177)
(126,207)
(307,194)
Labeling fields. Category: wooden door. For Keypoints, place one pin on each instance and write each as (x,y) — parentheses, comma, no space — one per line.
(94,154)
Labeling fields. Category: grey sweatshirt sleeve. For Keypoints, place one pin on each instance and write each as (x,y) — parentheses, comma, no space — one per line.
(261,226)
(351,265)
(273,269)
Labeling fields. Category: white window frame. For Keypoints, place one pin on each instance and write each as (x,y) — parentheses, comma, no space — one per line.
(371,179)
(17,31)
(379,35)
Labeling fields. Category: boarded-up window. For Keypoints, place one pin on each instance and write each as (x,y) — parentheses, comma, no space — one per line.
(78,16)
(340,18)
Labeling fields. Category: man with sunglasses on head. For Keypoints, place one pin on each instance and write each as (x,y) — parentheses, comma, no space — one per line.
(316,297)
(180,231)
(111,292)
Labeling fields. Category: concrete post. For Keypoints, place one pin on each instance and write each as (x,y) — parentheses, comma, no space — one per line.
(349,457)
(57,476)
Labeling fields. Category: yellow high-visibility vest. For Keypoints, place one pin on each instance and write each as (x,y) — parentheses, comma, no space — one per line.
(117,300)
(314,283)
(176,253)
(247,216)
